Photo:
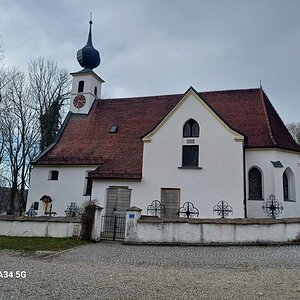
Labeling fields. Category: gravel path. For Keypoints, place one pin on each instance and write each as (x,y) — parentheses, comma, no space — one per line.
(115,271)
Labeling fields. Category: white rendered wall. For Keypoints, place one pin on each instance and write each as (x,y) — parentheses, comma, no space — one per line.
(212,233)
(39,228)
(221,159)
(91,80)
(70,187)
(272,180)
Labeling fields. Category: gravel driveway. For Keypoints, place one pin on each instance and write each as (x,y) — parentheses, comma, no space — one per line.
(114,271)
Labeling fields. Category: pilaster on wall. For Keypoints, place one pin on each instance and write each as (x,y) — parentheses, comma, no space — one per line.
(133,214)
(96,230)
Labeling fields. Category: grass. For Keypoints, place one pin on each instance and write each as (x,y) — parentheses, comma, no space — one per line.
(38,243)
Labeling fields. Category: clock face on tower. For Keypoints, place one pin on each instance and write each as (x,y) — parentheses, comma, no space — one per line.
(79,101)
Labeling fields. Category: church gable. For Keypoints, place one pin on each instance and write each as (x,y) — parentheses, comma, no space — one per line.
(192,95)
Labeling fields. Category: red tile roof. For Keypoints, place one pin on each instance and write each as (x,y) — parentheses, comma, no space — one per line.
(85,140)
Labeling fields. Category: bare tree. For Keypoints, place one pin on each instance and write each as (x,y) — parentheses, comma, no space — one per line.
(294,129)
(50,90)
(3,72)
(4,79)
(20,134)
(1,52)
(30,115)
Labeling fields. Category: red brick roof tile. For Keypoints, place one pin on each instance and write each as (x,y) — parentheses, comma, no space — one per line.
(86,140)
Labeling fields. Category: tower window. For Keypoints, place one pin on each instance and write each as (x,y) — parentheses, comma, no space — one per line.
(80,86)
(191,129)
(95,91)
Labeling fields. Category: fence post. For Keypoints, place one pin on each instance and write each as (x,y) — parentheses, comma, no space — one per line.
(133,214)
(96,230)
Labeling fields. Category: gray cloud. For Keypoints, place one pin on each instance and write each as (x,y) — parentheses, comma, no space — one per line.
(162,47)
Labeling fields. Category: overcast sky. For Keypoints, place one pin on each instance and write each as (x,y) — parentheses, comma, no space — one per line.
(154,47)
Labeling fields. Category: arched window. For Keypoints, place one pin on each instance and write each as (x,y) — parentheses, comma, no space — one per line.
(80,86)
(288,185)
(190,153)
(255,184)
(95,91)
(285,182)
(191,129)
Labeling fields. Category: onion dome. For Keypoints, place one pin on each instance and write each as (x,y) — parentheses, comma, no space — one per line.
(88,57)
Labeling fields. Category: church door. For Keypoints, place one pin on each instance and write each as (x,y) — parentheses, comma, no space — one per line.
(170,198)
(114,220)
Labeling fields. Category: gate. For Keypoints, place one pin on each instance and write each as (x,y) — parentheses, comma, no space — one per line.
(113,227)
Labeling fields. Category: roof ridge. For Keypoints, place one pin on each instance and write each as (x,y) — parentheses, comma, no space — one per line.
(267,117)
(141,97)
(231,90)
(179,94)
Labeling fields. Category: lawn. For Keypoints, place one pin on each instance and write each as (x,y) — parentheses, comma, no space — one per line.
(38,243)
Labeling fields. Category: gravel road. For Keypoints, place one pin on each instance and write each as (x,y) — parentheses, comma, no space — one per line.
(114,271)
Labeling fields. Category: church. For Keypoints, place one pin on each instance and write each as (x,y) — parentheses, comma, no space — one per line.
(198,147)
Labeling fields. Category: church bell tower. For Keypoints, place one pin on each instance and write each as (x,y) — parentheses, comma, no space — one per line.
(86,84)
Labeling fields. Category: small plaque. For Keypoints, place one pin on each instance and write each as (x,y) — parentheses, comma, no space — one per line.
(131,216)
(190,141)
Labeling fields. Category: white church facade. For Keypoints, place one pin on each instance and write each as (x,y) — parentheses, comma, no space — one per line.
(199,147)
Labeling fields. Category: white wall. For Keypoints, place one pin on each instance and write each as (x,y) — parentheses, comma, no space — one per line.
(70,187)
(91,80)
(39,228)
(234,232)
(221,159)
(272,180)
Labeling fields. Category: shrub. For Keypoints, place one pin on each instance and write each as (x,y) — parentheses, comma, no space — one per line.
(87,218)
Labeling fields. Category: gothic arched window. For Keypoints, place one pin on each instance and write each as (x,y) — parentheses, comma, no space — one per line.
(190,153)
(255,184)
(191,129)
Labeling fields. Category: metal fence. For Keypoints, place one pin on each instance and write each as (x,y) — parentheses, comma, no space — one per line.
(113,226)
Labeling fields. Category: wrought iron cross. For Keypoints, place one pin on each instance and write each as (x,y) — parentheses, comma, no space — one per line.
(188,209)
(272,207)
(155,208)
(31,212)
(50,212)
(222,209)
